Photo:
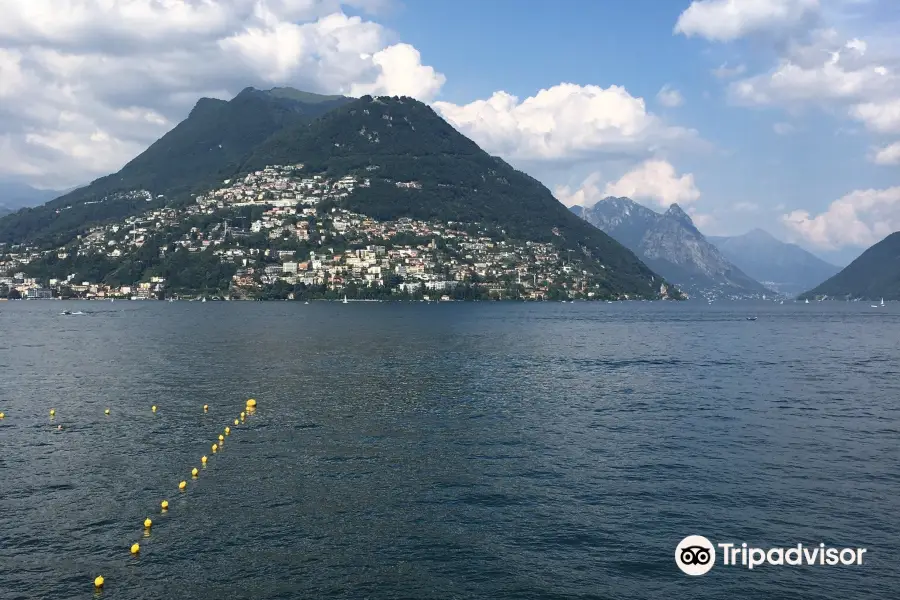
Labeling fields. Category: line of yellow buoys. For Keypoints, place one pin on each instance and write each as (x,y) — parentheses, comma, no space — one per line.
(99,581)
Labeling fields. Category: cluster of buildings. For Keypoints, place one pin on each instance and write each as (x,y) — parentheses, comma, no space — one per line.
(21,286)
(297,239)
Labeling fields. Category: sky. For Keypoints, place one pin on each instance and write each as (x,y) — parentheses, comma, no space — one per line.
(778,114)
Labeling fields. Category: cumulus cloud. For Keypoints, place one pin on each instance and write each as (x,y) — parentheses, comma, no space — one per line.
(726,20)
(87,84)
(668,96)
(832,74)
(824,70)
(587,195)
(861,218)
(564,122)
(888,155)
(655,180)
(882,117)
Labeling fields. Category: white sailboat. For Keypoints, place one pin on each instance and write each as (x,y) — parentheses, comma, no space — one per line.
(807,301)
(879,305)
(345,298)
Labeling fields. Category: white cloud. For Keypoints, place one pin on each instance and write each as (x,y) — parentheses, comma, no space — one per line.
(87,84)
(861,218)
(564,122)
(723,71)
(822,71)
(654,180)
(668,96)
(726,20)
(745,207)
(782,128)
(883,117)
(587,195)
(888,155)
(703,221)
(839,76)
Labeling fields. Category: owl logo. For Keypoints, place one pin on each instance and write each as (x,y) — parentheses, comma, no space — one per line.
(695,555)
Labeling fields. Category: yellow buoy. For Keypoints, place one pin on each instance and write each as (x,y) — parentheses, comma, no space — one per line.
(194,472)
(221,438)
(214,448)
(251,403)
(2,415)
(182,485)
(236,422)
(148,523)
(205,407)
(52,412)
(153,408)
(228,431)
(203,460)
(106,412)
(135,548)
(165,504)
(98,582)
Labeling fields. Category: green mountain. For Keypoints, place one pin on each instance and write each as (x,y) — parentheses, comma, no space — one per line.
(872,276)
(421,167)
(209,144)
(415,165)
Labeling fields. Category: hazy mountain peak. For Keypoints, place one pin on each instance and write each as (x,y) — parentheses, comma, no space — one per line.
(784,267)
(760,235)
(670,244)
(677,213)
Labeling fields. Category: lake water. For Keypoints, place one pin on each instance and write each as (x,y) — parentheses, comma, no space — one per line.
(420,451)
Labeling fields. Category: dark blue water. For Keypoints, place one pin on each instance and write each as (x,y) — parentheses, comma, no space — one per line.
(445,451)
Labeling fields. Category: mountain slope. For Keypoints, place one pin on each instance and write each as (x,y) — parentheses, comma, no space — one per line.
(446,177)
(672,246)
(786,268)
(210,143)
(874,275)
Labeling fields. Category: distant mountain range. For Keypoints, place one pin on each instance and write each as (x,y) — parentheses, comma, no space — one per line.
(14,195)
(785,268)
(672,246)
(872,276)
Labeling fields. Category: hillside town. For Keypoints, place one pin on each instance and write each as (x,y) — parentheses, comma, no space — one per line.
(281,228)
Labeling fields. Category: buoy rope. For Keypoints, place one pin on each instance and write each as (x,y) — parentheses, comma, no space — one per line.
(250,408)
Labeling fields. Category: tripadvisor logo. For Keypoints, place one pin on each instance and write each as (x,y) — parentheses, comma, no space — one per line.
(696,555)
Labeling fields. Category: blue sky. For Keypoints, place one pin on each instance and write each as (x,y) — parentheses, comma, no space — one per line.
(486,46)
(780,114)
